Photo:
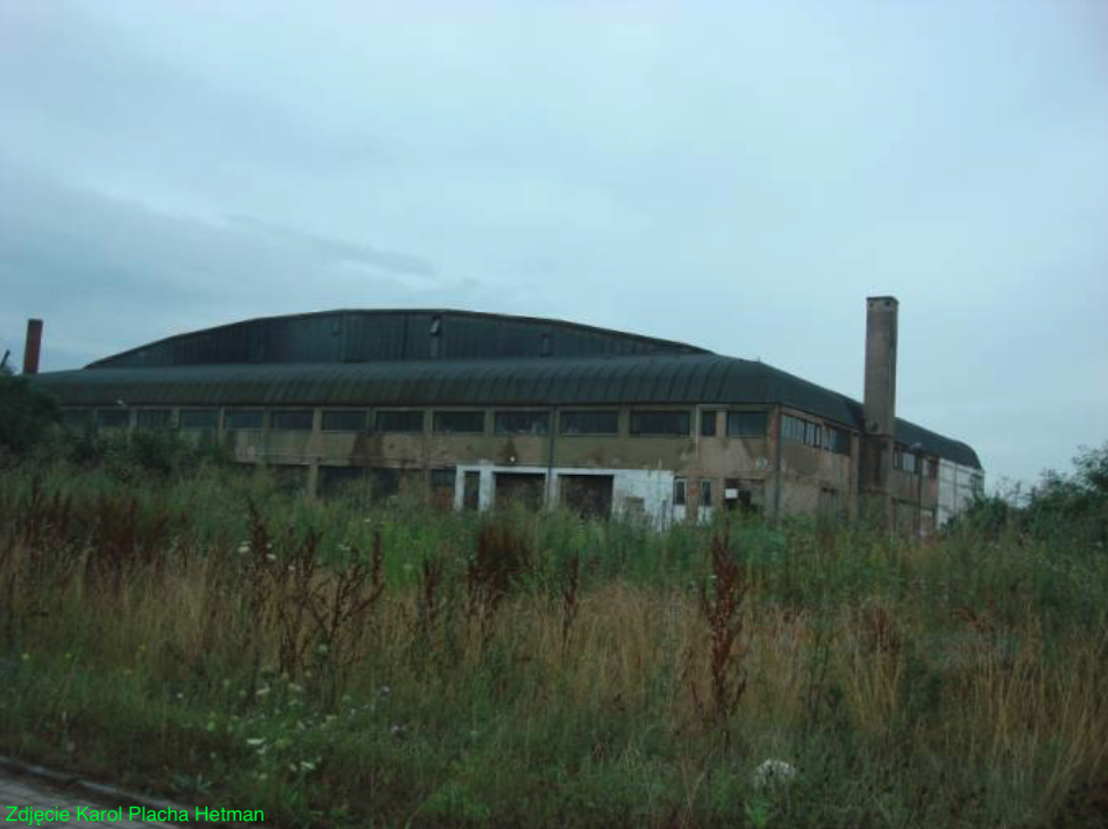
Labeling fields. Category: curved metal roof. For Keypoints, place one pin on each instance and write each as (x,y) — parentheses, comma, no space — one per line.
(358,336)
(675,378)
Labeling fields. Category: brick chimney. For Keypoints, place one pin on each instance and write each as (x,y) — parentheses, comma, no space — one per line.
(33,347)
(879,404)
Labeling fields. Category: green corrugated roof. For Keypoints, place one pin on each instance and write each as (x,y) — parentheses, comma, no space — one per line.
(694,377)
(358,336)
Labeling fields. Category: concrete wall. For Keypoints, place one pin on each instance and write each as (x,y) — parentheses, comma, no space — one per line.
(776,475)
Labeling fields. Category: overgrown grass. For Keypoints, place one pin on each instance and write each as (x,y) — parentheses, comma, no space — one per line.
(213,640)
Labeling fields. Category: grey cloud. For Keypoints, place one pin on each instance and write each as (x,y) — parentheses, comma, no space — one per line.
(108,273)
(338,249)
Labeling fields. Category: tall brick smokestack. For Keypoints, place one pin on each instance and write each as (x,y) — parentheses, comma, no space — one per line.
(879,403)
(33,347)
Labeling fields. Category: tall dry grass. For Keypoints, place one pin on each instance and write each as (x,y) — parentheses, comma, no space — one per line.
(500,680)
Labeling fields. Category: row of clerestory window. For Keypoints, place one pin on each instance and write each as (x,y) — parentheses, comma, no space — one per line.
(642,422)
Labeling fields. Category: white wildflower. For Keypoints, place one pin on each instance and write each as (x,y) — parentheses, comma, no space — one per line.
(254,742)
(772,773)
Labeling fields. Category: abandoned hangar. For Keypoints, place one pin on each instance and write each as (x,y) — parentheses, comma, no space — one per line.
(475,409)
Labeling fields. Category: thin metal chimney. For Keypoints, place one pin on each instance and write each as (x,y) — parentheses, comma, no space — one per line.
(879,402)
(33,347)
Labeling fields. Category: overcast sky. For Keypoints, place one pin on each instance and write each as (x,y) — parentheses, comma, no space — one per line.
(735,175)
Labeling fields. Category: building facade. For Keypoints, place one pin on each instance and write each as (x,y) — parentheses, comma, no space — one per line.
(477,409)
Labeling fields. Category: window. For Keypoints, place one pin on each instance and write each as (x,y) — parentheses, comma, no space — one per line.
(803,431)
(932,467)
(410,420)
(344,420)
(113,418)
(836,440)
(154,418)
(199,418)
(813,434)
(904,460)
(708,424)
(746,424)
(522,423)
(792,428)
(589,423)
(659,423)
(452,423)
(234,419)
(292,421)
(679,493)
(78,420)
(443,479)
(706,493)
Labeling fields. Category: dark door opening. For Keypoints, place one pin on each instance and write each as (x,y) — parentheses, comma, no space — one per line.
(588,495)
(471,494)
(525,488)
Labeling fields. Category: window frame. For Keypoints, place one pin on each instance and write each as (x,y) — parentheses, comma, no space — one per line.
(709,416)
(736,416)
(540,416)
(184,415)
(378,428)
(278,413)
(438,414)
(166,424)
(680,492)
(325,414)
(638,432)
(228,414)
(562,415)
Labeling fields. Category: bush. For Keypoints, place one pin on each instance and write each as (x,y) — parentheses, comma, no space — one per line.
(26,414)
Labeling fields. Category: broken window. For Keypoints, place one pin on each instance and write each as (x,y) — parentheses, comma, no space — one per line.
(452,423)
(344,420)
(659,423)
(292,421)
(587,495)
(522,423)
(679,492)
(442,486)
(442,478)
(589,423)
(708,424)
(706,493)
(904,460)
(836,440)
(471,493)
(235,419)
(334,480)
(525,488)
(746,424)
(408,420)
